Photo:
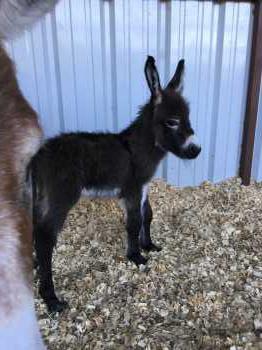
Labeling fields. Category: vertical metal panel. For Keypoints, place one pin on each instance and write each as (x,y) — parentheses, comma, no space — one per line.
(178,40)
(82,68)
(217,89)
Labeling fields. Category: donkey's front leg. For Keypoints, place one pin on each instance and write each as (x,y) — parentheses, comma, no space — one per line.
(134,222)
(144,236)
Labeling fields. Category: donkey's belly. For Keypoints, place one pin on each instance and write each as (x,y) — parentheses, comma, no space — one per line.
(101,193)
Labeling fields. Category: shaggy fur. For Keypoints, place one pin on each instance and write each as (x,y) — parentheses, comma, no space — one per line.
(20,138)
(17,15)
(106,163)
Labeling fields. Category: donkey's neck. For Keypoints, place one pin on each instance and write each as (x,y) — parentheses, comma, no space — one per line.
(140,138)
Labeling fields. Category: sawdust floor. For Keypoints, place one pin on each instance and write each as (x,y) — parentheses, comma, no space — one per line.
(202,291)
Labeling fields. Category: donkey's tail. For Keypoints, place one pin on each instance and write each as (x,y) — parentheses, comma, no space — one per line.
(17,15)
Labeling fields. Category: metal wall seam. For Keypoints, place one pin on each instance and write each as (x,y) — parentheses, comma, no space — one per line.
(113,63)
(218,68)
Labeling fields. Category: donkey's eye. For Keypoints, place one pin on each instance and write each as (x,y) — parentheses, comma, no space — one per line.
(172,123)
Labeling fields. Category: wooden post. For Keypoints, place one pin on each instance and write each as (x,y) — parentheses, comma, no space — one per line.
(215,1)
(254,81)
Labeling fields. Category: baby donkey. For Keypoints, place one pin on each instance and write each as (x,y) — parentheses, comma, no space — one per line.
(109,164)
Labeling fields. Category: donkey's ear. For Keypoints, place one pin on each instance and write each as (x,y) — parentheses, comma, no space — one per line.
(152,78)
(177,81)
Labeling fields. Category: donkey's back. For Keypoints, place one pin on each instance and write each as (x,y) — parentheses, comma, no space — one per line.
(81,161)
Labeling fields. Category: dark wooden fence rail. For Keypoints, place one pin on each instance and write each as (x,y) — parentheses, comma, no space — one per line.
(254,83)
(215,1)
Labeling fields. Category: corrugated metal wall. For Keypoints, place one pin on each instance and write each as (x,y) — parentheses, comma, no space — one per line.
(82,69)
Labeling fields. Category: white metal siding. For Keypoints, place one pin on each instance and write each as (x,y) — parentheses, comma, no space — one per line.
(82,69)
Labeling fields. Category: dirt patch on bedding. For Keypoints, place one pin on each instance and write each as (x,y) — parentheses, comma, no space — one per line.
(202,291)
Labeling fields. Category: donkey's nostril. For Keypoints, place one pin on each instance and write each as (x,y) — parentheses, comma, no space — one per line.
(194,150)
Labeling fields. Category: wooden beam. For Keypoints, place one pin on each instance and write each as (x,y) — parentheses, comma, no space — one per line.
(217,1)
(254,81)
(224,1)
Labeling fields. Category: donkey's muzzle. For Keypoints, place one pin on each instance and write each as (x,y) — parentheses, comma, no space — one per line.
(193,151)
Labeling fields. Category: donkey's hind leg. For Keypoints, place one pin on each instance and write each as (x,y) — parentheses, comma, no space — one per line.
(133,225)
(45,235)
(144,235)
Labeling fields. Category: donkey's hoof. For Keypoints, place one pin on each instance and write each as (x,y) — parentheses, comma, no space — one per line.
(151,247)
(56,305)
(138,259)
